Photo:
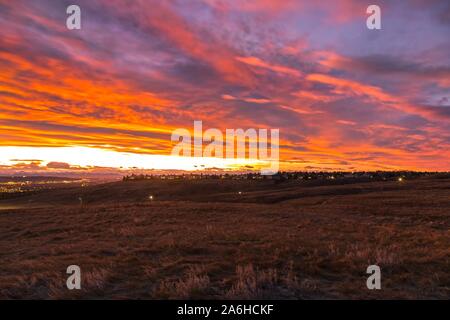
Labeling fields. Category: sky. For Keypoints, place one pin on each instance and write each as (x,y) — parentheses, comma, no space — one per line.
(108,96)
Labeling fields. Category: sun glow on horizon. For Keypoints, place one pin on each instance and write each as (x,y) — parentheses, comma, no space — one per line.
(77,156)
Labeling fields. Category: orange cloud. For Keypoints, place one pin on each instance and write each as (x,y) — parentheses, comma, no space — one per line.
(350,87)
(256,62)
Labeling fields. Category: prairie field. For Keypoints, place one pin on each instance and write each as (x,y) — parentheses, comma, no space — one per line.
(212,239)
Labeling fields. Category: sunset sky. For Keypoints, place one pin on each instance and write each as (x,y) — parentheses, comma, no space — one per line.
(110,95)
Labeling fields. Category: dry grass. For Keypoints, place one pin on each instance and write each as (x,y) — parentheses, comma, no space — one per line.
(193,284)
(308,246)
(253,284)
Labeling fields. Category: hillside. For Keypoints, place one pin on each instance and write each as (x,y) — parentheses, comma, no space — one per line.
(202,239)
